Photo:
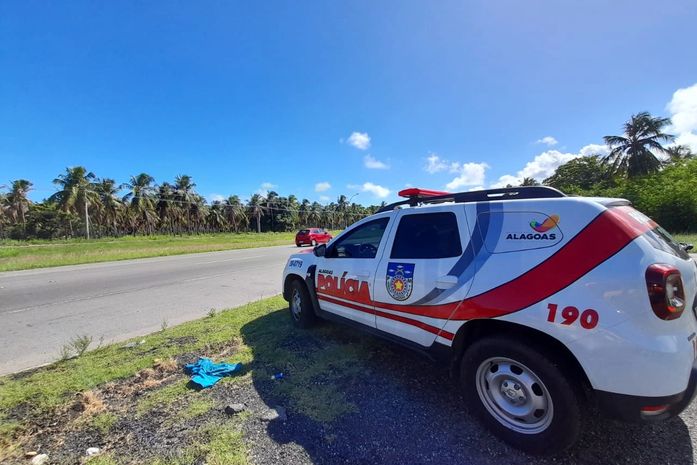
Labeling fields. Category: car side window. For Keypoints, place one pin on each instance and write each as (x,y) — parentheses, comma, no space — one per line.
(362,242)
(427,235)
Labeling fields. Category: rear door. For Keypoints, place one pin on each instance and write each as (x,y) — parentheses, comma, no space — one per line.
(417,279)
(345,274)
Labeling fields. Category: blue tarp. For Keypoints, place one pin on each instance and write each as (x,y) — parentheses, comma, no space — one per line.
(205,373)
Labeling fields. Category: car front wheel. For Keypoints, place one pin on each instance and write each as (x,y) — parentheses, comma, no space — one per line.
(521,395)
(300,306)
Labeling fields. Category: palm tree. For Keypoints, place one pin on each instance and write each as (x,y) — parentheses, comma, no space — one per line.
(303,212)
(256,207)
(167,209)
(271,203)
(76,193)
(234,212)
(186,196)
(17,201)
(634,153)
(314,215)
(341,207)
(529,182)
(679,153)
(111,207)
(141,203)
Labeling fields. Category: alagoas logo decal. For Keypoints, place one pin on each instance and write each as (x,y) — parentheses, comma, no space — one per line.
(546,225)
(400,280)
(541,230)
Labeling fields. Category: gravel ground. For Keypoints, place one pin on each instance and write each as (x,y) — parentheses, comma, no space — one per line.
(411,413)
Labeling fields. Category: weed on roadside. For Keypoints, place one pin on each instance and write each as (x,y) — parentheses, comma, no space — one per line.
(162,396)
(103,422)
(216,444)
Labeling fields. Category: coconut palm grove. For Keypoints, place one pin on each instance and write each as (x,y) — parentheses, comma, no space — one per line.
(643,165)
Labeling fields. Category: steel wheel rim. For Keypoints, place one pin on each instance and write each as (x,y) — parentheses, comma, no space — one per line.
(296,304)
(514,395)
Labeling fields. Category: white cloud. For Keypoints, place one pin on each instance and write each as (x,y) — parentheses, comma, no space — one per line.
(549,141)
(545,164)
(469,174)
(360,140)
(683,110)
(324,198)
(215,198)
(372,163)
(434,164)
(265,188)
(594,149)
(376,190)
(322,186)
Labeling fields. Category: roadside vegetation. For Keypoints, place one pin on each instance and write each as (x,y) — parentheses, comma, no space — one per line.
(91,207)
(106,396)
(20,255)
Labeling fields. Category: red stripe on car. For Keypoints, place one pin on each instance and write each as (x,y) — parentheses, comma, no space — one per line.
(401,319)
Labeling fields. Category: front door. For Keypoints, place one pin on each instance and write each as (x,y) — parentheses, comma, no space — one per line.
(345,274)
(417,284)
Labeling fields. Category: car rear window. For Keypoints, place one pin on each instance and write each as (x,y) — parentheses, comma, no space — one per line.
(427,235)
(304,231)
(658,237)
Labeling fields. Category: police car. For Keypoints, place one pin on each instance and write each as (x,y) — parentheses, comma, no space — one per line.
(542,304)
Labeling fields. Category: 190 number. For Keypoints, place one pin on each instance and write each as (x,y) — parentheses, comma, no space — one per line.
(569,315)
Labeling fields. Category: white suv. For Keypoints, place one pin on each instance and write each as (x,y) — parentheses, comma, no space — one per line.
(538,301)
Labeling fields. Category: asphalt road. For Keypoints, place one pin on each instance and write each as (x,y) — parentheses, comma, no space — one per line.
(40,310)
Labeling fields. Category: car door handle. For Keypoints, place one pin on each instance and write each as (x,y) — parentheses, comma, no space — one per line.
(446,282)
(359,274)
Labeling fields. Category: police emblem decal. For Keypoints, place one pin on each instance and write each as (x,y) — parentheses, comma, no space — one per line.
(400,280)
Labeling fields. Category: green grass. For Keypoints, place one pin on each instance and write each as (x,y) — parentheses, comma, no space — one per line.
(49,387)
(104,422)
(162,396)
(103,459)
(317,365)
(217,444)
(20,255)
(689,238)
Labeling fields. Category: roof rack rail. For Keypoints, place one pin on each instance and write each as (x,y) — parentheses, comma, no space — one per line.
(505,193)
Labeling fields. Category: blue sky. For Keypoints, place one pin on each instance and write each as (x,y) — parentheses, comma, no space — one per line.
(243,96)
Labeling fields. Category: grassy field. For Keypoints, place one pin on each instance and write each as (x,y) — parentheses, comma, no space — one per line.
(16,255)
(111,391)
(689,238)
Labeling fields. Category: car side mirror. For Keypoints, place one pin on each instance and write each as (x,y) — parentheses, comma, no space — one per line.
(686,247)
(320,250)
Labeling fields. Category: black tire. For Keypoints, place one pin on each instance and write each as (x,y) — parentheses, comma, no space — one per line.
(554,399)
(301,311)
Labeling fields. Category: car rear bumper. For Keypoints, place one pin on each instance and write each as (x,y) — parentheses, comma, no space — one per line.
(629,408)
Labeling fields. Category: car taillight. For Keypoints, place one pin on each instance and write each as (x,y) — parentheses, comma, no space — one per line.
(666,291)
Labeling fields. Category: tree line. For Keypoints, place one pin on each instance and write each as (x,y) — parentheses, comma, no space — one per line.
(642,166)
(89,206)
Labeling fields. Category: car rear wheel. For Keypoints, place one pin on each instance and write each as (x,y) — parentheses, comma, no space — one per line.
(300,305)
(314,243)
(520,395)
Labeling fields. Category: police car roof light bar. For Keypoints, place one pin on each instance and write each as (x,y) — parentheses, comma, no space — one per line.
(415,192)
(424,196)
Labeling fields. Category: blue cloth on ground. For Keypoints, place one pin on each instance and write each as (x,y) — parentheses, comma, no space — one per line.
(205,373)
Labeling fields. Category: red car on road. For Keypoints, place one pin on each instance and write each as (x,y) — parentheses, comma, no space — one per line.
(312,236)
